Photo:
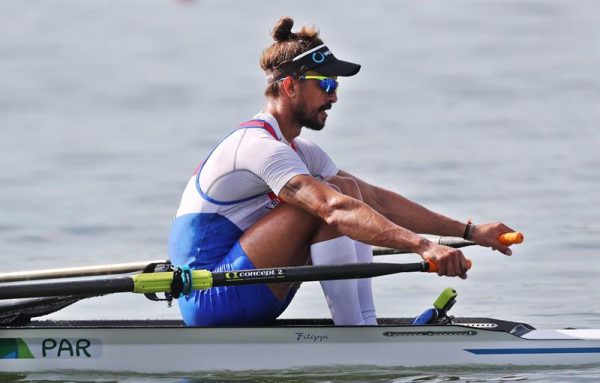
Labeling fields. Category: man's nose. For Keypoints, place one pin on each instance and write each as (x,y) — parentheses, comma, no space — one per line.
(332,97)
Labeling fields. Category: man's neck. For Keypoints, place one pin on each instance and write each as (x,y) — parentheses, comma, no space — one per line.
(282,113)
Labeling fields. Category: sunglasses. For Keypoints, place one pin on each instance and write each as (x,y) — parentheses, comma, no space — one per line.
(328,84)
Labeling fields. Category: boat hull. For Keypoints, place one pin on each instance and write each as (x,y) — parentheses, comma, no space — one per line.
(159,347)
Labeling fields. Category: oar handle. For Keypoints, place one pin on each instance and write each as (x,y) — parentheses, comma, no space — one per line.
(511,238)
(433,267)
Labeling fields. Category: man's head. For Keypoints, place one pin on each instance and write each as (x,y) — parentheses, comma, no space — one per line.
(293,54)
(301,67)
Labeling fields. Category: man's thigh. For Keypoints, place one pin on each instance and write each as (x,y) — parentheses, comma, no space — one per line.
(281,238)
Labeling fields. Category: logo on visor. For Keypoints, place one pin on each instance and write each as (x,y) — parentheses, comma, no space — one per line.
(318,57)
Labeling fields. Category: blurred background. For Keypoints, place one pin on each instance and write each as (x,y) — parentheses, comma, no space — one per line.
(481,109)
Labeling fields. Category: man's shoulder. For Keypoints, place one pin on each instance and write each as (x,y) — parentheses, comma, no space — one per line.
(247,133)
(304,143)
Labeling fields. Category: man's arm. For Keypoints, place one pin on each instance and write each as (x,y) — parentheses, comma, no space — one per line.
(419,219)
(405,212)
(359,221)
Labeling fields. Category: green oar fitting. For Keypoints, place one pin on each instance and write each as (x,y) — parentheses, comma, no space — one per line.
(439,313)
(446,300)
(161,282)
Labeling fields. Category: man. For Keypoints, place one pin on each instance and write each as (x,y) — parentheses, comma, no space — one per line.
(264,197)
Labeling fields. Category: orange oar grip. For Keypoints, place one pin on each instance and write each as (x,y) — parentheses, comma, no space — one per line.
(433,268)
(511,238)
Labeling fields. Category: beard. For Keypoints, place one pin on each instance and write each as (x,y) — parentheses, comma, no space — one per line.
(311,120)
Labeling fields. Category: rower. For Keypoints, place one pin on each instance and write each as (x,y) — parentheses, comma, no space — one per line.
(267,198)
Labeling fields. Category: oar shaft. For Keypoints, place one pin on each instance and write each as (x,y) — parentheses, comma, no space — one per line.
(455,242)
(511,238)
(203,279)
(73,272)
(314,273)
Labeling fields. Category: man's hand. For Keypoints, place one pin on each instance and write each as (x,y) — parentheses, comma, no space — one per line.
(487,234)
(450,262)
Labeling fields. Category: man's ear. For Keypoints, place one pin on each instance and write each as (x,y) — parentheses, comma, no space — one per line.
(289,86)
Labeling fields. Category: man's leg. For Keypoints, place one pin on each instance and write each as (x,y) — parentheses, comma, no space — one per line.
(350,301)
(364,254)
(284,236)
(281,238)
(341,295)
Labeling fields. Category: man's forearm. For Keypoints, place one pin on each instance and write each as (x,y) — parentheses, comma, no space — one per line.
(350,216)
(407,213)
(414,216)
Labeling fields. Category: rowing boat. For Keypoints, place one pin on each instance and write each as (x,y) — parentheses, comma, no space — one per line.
(432,339)
(165,346)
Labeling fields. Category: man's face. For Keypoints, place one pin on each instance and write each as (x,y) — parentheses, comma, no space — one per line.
(313,103)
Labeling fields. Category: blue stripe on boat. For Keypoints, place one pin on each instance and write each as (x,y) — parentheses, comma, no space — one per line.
(560,350)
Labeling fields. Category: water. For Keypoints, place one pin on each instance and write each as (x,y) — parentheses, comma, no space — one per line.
(351,375)
(482,109)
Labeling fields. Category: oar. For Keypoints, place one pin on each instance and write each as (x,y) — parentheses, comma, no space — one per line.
(510,238)
(131,267)
(455,242)
(16,312)
(145,283)
(73,272)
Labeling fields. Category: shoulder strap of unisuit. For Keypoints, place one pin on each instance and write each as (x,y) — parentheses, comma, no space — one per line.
(260,124)
(264,125)
(248,124)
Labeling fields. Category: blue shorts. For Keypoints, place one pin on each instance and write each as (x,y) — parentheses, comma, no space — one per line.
(233,305)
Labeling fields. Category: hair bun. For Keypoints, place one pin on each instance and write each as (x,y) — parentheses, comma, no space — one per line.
(283,29)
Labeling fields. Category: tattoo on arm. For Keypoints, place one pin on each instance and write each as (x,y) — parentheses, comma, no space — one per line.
(289,191)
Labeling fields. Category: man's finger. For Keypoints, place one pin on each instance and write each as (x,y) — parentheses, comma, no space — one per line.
(442,267)
(464,266)
(456,267)
(505,250)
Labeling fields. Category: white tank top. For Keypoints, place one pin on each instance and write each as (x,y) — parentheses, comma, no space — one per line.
(236,185)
